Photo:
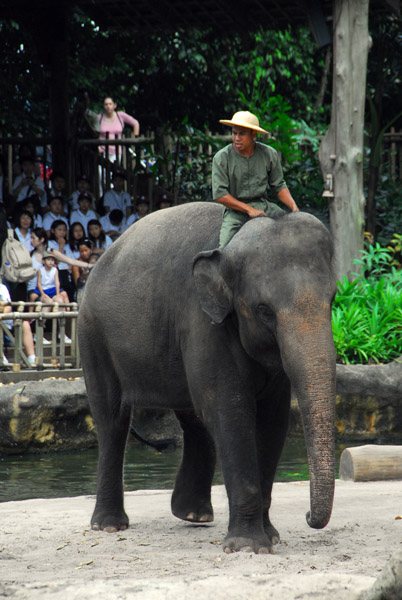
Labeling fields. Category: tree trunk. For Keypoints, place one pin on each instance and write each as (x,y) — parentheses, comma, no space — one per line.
(341,151)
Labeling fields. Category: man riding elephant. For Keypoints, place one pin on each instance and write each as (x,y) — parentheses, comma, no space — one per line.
(242,172)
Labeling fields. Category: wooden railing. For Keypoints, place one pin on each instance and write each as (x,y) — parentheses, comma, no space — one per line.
(393,153)
(50,324)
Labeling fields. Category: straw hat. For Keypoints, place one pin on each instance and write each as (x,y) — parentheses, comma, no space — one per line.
(246,119)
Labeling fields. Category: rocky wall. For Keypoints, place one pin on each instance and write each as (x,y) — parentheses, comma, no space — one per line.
(53,414)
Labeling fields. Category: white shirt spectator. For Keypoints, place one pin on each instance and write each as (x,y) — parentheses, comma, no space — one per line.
(24,239)
(78,217)
(131,219)
(114,199)
(50,217)
(27,190)
(62,266)
(108,226)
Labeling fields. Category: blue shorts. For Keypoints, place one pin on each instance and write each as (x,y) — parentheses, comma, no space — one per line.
(49,292)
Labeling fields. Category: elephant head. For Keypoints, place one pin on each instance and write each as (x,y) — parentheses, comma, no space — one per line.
(276,277)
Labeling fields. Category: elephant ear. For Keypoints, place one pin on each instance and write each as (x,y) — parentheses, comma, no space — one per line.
(213,292)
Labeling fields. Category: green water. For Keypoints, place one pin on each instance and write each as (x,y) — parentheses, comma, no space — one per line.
(73,474)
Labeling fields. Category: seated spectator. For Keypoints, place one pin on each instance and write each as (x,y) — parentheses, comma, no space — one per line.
(58,241)
(80,274)
(113,223)
(117,197)
(27,337)
(32,205)
(48,283)
(58,189)
(76,233)
(25,151)
(55,213)
(83,185)
(164,200)
(38,243)
(84,214)
(22,231)
(27,184)
(142,210)
(100,240)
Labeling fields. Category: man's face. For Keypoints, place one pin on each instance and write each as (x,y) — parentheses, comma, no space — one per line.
(243,139)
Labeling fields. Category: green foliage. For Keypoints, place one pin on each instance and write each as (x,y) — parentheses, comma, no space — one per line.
(367,312)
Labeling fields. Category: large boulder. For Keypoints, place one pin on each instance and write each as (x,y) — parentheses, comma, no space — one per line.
(52,414)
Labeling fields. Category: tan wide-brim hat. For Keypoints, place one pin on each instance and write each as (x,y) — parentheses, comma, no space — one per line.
(244,118)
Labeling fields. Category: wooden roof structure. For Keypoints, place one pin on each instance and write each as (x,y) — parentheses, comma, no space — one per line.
(164,15)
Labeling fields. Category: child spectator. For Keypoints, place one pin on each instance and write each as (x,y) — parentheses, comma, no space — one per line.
(58,189)
(27,184)
(27,337)
(164,201)
(76,233)
(55,213)
(84,214)
(114,223)
(38,243)
(117,197)
(58,241)
(100,240)
(83,185)
(22,232)
(48,283)
(142,205)
(32,205)
(80,274)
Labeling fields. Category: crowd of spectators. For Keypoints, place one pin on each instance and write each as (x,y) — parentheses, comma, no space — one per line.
(68,225)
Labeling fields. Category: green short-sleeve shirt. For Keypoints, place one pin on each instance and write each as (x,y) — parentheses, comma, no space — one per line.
(246,179)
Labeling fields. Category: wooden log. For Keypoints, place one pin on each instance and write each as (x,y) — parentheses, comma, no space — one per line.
(371,463)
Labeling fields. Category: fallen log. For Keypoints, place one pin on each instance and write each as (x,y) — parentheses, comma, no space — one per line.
(371,463)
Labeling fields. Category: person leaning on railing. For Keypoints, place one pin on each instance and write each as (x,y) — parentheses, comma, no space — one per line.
(27,337)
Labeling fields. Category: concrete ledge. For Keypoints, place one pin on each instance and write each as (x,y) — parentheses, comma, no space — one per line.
(53,414)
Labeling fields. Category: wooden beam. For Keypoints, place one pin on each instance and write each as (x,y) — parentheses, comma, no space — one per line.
(371,463)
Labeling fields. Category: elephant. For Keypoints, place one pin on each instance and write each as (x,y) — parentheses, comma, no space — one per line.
(220,337)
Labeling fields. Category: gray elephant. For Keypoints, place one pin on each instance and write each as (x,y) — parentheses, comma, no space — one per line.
(219,337)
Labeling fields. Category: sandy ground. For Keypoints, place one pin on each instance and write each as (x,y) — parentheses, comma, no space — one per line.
(47,549)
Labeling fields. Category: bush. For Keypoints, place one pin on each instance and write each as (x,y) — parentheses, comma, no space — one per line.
(367,313)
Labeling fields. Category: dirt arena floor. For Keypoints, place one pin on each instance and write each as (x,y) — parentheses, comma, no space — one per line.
(47,549)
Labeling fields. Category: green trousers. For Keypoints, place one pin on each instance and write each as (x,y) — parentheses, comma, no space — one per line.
(234,219)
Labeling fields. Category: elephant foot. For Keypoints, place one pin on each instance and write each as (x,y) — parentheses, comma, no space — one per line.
(258,545)
(195,512)
(272,534)
(110,522)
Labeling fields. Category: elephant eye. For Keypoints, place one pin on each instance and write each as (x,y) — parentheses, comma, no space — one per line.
(266,314)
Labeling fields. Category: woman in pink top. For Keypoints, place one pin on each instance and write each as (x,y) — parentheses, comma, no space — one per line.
(113,122)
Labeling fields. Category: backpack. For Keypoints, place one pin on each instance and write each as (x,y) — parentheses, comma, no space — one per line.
(16,261)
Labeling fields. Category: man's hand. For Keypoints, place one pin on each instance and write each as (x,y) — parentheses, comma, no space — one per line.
(255,212)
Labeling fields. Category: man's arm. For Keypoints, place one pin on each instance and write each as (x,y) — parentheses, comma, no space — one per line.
(230,202)
(286,197)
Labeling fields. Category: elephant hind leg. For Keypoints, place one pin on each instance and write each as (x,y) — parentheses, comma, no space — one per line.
(191,499)
(112,420)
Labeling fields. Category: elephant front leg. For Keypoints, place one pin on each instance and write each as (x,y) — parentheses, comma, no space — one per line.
(235,437)
(109,514)
(272,427)
(191,499)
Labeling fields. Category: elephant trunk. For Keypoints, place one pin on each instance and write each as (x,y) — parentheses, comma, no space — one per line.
(308,357)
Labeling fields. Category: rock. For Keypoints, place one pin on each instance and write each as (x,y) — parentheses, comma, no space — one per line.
(388,585)
(50,414)
(53,414)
